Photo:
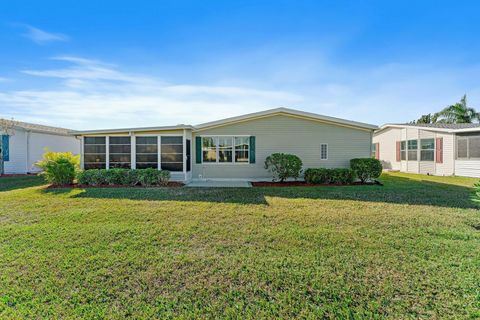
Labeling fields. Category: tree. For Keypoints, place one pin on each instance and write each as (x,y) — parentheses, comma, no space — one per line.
(458,113)
(427,118)
(6,128)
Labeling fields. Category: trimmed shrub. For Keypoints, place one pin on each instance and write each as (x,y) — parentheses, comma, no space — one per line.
(59,168)
(317,175)
(116,176)
(163,177)
(93,177)
(326,176)
(283,166)
(124,177)
(366,169)
(148,177)
(342,176)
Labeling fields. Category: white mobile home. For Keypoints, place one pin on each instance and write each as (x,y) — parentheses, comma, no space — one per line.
(436,149)
(233,148)
(28,142)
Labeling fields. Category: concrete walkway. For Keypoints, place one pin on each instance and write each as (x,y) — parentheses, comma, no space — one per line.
(219,184)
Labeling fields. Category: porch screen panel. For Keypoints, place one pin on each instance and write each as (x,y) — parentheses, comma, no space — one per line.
(120,152)
(94,153)
(172,153)
(146,152)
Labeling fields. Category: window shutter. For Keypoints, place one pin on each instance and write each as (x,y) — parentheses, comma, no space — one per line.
(377,151)
(398,152)
(198,149)
(252,149)
(5,147)
(439,150)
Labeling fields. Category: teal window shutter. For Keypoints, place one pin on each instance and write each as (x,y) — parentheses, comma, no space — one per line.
(252,149)
(198,149)
(5,147)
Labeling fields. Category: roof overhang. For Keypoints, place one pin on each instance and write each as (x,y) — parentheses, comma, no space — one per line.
(445,130)
(139,129)
(288,112)
(233,120)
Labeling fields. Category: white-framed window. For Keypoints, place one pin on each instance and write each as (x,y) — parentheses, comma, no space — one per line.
(427,149)
(324,151)
(209,149)
(412,150)
(242,146)
(374,151)
(225,149)
(403,150)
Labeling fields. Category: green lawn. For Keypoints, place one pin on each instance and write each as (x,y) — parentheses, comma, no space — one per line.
(409,249)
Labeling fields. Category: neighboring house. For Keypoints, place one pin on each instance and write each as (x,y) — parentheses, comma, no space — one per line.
(27,145)
(436,149)
(233,148)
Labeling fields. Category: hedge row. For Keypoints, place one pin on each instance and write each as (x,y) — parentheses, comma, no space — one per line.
(329,176)
(365,169)
(124,177)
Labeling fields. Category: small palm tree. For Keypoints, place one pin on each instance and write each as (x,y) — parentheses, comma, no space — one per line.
(458,113)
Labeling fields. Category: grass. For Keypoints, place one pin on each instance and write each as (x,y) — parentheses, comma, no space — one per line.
(405,250)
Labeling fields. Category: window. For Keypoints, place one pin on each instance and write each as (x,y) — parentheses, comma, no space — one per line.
(323,151)
(462,148)
(403,150)
(374,151)
(427,149)
(120,152)
(172,153)
(241,149)
(147,152)
(474,147)
(94,153)
(225,149)
(209,149)
(412,150)
(468,146)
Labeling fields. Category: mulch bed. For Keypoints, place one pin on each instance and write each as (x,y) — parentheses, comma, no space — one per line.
(304,184)
(17,175)
(82,186)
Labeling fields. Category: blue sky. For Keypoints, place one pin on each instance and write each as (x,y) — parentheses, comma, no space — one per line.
(86,65)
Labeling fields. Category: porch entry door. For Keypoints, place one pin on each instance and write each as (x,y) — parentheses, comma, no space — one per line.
(189,156)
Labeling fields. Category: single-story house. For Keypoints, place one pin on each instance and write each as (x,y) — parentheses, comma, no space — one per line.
(27,144)
(233,148)
(436,149)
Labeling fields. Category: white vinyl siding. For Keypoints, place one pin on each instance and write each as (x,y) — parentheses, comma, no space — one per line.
(467,168)
(287,134)
(389,136)
(28,147)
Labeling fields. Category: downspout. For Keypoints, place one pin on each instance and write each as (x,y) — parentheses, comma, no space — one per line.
(27,135)
(454,155)
(184,151)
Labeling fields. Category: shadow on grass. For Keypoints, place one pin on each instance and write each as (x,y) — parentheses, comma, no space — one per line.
(398,190)
(20,182)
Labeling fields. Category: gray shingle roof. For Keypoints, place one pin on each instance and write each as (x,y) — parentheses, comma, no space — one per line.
(453,126)
(41,128)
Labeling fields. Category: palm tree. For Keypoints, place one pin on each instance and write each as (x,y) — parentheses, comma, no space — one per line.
(458,113)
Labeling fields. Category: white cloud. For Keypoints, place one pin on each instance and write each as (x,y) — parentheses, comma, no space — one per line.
(92,94)
(42,37)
